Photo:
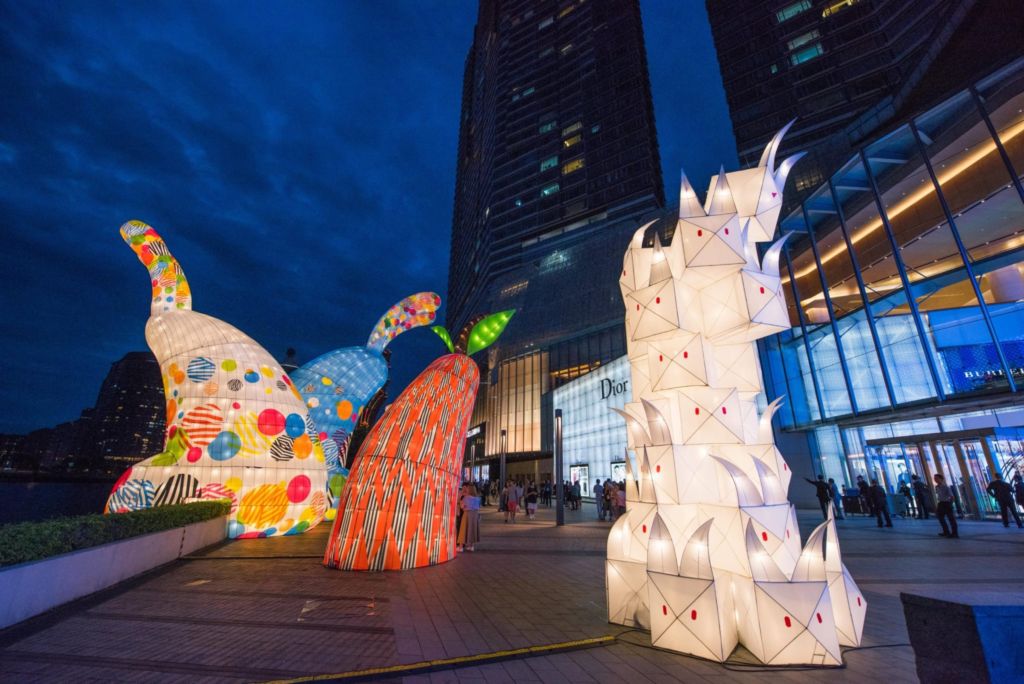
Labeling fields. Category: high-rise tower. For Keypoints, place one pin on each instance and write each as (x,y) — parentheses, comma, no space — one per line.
(557,158)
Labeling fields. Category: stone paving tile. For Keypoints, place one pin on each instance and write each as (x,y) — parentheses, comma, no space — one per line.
(261,609)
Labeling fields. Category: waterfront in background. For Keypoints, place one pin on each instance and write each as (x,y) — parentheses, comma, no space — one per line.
(22,500)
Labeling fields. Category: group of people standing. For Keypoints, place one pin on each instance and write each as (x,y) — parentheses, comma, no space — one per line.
(875,500)
(610,499)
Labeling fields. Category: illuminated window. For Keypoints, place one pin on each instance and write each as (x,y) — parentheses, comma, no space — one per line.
(567,48)
(572,128)
(790,11)
(529,91)
(549,190)
(546,51)
(837,7)
(518,202)
(545,23)
(774,68)
(549,163)
(569,142)
(574,165)
(806,54)
(547,127)
(595,128)
(566,10)
(803,39)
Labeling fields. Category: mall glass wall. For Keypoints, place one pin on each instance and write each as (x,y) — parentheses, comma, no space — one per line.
(906,280)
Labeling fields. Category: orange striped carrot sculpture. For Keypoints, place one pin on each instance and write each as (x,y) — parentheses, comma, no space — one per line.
(397,510)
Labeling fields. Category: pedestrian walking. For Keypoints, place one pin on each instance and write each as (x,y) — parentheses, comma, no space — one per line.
(469,529)
(999,490)
(511,501)
(833,490)
(531,501)
(880,503)
(920,496)
(822,492)
(599,499)
(864,490)
(1018,489)
(577,495)
(944,507)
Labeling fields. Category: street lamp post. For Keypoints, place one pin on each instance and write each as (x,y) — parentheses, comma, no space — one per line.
(501,468)
(559,486)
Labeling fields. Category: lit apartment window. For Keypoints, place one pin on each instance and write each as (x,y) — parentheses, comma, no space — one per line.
(566,10)
(569,142)
(595,128)
(572,128)
(549,190)
(803,39)
(549,163)
(518,202)
(790,11)
(566,49)
(774,68)
(545,23)
(837,7)
(547,127)
(574,165)
(529,91)
(545,52)
(806,54)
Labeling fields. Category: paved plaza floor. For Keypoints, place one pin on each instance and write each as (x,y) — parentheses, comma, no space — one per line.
(259,610)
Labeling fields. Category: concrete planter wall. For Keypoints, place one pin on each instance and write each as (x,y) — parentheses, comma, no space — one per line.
(29,589)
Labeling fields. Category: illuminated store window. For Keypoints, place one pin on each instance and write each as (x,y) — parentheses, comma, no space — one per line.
(549,163)
(548,127)
(807,54)
(549,189)
(569,142)
(790,11)
(803,39)
(574,165)
(572,128)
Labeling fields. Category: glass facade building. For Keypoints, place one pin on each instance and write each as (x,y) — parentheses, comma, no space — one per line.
(905,272)
(558,166)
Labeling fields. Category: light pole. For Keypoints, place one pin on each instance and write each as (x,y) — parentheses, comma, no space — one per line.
(504,445)
(559,487)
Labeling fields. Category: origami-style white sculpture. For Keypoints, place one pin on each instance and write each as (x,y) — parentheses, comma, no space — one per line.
(708,554)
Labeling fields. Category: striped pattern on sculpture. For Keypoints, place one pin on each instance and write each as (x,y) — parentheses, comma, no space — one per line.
(397,510)
(228,404)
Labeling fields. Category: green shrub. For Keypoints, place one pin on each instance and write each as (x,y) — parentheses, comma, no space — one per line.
(29,541)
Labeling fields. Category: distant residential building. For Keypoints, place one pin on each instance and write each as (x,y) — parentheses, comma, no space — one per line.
(12,452)
(129,417)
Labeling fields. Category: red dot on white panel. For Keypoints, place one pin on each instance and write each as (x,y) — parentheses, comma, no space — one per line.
(724,411)
(726,231)
(657,300)
(762,290)
(664,609)
(660,357)
(686,354)
(700,233)
(696,411)
(819,618)
(789,623)
(657,468)
(764,536)
(693,614)
(645,529)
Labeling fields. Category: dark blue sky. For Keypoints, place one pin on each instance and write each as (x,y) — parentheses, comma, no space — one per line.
(297,157)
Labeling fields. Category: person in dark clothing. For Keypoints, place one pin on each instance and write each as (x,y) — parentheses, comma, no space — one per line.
(944,507)
(822,493)
(879,503)
(865,495)
(833,489)
(920,496)
(999,490)
(1018,489)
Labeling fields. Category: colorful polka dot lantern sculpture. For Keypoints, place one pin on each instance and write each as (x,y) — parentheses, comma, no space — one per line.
(236,427)
(338,385)
(398,509)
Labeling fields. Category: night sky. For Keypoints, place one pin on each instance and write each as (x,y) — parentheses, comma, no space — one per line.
(297,157)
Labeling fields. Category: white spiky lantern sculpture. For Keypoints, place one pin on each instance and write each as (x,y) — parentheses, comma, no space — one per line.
(708,554)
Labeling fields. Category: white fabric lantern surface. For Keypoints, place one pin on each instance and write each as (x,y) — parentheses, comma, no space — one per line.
(708,553)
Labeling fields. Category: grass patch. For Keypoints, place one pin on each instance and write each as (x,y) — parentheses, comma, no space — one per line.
(29,541)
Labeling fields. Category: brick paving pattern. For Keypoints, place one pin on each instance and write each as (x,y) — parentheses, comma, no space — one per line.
(257,610)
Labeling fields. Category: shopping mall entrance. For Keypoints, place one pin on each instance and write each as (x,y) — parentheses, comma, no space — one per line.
(966,458)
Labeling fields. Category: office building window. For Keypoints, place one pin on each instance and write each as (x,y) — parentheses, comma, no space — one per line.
(774,68)
(574,165)
(545,52)
(549,190)
(529,91)
(806,54)
(790,11)
(572,128)
(545,23)
(518,202)
(569,142)
(803,39)
(837,7)
(567,48)
(549,163)
(547,127)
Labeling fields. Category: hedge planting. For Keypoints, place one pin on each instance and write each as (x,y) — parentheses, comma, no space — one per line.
(29,541)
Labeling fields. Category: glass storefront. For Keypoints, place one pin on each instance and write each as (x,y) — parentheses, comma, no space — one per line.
(905,274)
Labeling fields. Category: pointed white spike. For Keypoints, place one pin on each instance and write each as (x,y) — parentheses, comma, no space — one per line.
(787,165)
(811,565)
(638,237)
(660,270)
(771,486)
(772,148)
(720,199)
(689,205)
(748,247)
(764,426)
(763,567)
(661,551)
(632,491)
(770,262)
(656,423)
(746,493)
(647,493)
(696,560)
(637,431)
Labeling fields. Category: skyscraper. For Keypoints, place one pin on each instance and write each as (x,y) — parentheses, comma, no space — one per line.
(844,68)
(128,421)
(557,159)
